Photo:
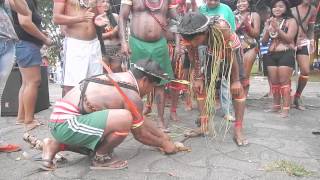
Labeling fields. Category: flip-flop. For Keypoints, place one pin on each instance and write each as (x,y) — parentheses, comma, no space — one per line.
(10,148)
(39,162)
(19,122)
(124,164)
(32,126)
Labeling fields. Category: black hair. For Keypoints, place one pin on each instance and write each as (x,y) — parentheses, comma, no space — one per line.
(250,8)
(288,13)
(148,65)
(190,37)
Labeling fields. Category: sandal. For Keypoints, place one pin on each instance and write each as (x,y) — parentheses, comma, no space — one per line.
(10,148)
(45,164)
(33,141)
(32,125)
(107,162)
(18,122)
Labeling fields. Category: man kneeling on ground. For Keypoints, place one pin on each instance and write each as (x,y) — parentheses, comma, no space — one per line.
(98,114)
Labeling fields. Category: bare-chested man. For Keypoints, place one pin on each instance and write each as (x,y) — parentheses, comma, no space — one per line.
(305,15)
(82,48)
(98,116)
(148,22)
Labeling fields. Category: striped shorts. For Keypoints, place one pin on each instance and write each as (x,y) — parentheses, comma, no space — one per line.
(81,131)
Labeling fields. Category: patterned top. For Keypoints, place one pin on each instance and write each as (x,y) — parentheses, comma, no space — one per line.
(6,26)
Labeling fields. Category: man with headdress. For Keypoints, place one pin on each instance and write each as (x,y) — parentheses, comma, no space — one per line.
(306,15)
(216,8)
(81,46)
(97,116)
(224,46)
(146,39)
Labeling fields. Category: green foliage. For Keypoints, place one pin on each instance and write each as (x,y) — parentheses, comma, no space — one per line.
(45,8)
(289,167)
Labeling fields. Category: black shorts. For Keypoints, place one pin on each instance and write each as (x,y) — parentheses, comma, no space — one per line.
(265,69)
(280,58)
(303,50)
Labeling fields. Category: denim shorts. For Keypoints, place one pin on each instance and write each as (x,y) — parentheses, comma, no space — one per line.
(6,60)
(28,54)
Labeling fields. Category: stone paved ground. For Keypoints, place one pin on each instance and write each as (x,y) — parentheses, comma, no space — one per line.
(272,139)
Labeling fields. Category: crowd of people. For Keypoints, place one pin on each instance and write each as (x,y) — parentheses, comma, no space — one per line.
(111,61)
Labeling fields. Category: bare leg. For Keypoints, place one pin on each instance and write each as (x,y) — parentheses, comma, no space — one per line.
(274,79)
(188,100)
(249,58)
(117,128)
(20,117)
(148,105)
(239,108)
(31,80)
(160,102)
(284,79)
(174,104)
(303,61)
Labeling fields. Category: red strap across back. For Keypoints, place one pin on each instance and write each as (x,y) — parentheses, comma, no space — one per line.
(132,107)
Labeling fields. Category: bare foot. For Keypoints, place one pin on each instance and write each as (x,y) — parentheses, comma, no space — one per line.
(239,138)
(162,126)
(174,116)
(50,149)
(284,113)
(298,104)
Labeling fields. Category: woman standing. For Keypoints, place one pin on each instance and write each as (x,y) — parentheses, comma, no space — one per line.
(282,28)
(108,24)
(28,57)
(248,29)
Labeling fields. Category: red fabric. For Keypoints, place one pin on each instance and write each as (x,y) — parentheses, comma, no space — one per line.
(177,86)
(238,124)
(285,89)
(62,147)
(275,88)
(173,109)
